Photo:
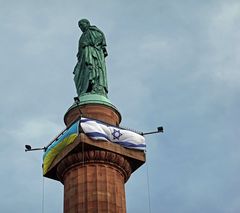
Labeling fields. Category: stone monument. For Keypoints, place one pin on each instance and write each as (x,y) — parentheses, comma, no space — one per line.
(93,171)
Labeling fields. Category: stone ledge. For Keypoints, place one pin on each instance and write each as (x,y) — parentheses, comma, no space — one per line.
(82,143)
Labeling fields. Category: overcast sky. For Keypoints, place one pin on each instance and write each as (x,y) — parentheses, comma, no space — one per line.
(171,63)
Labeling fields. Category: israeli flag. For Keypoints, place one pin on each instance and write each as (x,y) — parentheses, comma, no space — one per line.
(101,131)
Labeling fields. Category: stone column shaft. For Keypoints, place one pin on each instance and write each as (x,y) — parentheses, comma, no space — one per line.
(94,182)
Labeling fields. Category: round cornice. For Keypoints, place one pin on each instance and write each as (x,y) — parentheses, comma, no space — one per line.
(94,157)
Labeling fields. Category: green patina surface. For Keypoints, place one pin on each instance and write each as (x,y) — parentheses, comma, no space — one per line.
(90,74)
(93,99)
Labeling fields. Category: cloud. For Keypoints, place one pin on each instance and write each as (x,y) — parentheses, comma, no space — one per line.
(170,63)
(223,37)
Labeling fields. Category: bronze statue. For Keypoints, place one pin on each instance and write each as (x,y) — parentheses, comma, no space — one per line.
(90,74)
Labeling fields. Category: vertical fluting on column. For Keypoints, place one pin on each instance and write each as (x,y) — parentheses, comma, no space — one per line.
(95,184)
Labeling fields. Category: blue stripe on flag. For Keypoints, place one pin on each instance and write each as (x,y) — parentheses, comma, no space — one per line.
(72,130)
(84,120)
(129,144)
(97,135)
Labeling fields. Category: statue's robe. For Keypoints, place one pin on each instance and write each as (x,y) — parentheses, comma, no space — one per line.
(90,71)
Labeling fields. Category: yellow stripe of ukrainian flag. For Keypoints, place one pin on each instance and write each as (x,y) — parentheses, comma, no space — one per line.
(52,154)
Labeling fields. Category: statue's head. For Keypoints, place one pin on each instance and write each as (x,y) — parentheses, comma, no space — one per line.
(84,24)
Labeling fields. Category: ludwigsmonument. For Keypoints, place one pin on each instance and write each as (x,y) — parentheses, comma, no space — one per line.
(93,157)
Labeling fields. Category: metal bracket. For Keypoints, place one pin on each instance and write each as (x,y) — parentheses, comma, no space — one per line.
(159,130)
(29,148)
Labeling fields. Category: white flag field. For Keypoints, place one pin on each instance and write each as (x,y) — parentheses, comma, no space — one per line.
(100,131)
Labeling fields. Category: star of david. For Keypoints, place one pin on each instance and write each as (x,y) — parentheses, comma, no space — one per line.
(116,134)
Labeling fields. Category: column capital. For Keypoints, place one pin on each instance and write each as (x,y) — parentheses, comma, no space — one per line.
(82,159)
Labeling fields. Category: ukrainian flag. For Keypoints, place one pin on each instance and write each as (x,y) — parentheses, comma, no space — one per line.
(58,145)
